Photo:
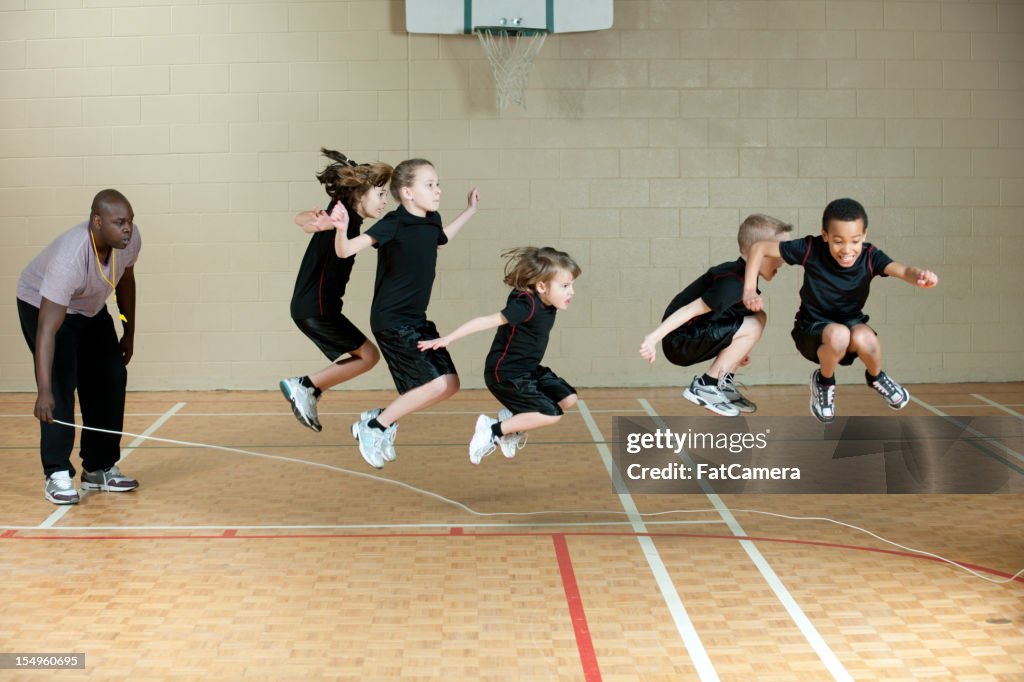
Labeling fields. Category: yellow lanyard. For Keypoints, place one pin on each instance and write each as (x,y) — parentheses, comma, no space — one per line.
(113,266)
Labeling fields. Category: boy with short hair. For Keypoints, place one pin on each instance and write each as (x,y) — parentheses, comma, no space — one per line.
(831,328)
(708,320)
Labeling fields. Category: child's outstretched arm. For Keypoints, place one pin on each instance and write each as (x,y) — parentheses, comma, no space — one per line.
(471,205)
(316,220)
(926,279)
(344,246)
(757,254)
(477,324)
(649,346)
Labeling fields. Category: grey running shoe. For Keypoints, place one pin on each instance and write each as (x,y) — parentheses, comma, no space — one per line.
(727,385)
(372,442)
(510,443)
(108,480)
(710,397)
(894,394)
(483,441)
(60,488)
(302,400)
(823,399)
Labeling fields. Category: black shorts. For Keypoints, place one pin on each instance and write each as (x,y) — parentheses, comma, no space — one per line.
(807,337)
(334,336)
(539,391)
(693,343)
(410,367)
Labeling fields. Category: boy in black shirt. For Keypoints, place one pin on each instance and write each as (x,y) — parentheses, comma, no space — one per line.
(831,328)
(708,320)
(533,396)
(323,275)
(407,242)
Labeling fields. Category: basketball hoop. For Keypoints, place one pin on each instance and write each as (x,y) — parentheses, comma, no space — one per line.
(511,52)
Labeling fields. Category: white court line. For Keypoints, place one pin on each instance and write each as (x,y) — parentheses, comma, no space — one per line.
(64,509)
(698,654)
(356,526)
(994,443)
(817,642)
(1004,408)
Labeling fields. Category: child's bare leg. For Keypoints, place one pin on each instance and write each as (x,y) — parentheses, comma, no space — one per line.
(742,343)
(835,344)
(419,398)
(528,421)
(360,360)
(865,343)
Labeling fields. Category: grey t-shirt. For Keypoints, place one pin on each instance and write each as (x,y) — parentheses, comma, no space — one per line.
(66,272)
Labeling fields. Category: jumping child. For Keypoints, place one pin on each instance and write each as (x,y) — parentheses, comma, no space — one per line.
(323,275)
(831,328)
(407,242)
(534,396)
(708,320)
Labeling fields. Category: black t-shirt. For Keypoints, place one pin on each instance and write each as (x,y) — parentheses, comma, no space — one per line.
(406,263)
(519,346)
(721,288)
(323,276)
(830,292)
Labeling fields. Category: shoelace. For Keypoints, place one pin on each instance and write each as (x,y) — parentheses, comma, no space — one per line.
(886,385)
(63,483)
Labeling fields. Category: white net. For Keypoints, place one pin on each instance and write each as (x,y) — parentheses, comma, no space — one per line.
(511,53)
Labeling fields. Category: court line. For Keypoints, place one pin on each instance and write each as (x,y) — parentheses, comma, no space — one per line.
(367,526)
(688,633)
(59,513)
(994,443)
(289,414)
(803,623)
(584,643)
(1004,408)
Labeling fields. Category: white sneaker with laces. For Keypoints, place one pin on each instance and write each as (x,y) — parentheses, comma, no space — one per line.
(302,400)
(727,385)
(371,442)
(510,442)
(483,442)
(711,398)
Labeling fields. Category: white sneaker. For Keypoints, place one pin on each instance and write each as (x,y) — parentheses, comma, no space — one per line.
(302,400)
(372,442)
(711,398)
(510,442)
(389,445)
(483,441)
(60,488)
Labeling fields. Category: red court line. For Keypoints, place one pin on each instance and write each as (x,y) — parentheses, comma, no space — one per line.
(591,671)
(10,535)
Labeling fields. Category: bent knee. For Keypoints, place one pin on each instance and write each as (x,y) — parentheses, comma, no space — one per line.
(836,336)
(568,402)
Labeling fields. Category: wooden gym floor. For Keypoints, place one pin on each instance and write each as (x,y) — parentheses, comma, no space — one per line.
(267,565)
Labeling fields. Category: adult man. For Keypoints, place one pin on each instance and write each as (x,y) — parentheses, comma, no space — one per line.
(62,297)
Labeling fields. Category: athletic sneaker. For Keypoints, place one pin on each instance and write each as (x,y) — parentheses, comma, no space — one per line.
(894,394)
(483,441)
(823,399)
(710,397)
(389,444)
(511,442)
(108,480)
(302,400)
(60,489)
(372,442)
(727,385)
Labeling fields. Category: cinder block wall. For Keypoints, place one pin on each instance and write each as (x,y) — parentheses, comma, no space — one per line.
(642,149)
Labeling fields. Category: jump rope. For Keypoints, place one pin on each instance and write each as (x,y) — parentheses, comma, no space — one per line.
(473,512)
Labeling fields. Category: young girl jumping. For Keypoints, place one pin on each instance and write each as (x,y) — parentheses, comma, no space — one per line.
(320,286)
(534,396)
(407,241)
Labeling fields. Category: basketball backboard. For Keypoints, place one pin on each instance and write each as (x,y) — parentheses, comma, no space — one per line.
(463,16)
